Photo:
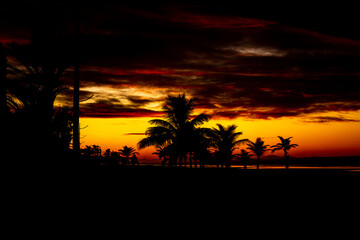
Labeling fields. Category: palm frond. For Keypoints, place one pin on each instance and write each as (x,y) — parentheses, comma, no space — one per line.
(162,123)
(241,141)
(278,148)
(155,131)
(221,127)
(200,119)
(152,141)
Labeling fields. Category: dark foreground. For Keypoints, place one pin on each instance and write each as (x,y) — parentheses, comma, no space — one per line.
(157,196)
(186,180)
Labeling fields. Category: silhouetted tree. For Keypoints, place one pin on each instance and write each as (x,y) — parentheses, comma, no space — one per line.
(38,78)
(258,148)
(35,82)
(63,126)
(225,141)
(134,159)
(126,152)
(92,151)
(177,129)
(76,85)
(111,158)
(107,153)
(284,145)
(163,153)
(244,157)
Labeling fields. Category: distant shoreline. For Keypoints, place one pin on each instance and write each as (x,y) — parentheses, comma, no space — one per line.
(341,161)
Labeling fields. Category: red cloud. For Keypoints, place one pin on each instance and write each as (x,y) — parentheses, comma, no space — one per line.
(213,21)
(154,71)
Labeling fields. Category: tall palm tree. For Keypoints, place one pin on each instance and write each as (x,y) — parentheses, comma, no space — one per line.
(126,152)
(35,80)
(285,146)
(177,129)
(258,148)
(76,87)
(225,142)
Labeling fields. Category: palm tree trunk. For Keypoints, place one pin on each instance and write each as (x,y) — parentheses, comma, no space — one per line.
(257,162)
(76,109)
(190,160)
(286,160)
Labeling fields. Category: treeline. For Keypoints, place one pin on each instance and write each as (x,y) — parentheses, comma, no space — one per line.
(126,156)
(180,140)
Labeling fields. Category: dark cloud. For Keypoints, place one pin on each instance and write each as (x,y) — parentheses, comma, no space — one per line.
(238,60)
(106,109)
(137,134)
(326,119)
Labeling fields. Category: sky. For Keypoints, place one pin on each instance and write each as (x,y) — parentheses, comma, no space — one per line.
(272,69)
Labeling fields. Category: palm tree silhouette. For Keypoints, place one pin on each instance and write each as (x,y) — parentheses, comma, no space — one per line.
(244,156)
(163,153)
(258,148)
(225,141)
(285,146)
(38,79)
(178,128)
(134,159)
(63,126)
(126,152)
(34,83)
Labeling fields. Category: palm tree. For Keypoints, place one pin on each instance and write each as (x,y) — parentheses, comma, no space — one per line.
(244,157)
(76,87)
(285,146)
(35,80)
(63,125)
(38,78)
(134,160)
(258,148)
(126,152)
(178,128)
(225,141)
(163,154)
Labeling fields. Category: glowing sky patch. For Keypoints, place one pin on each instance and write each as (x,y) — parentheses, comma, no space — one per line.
(257,51)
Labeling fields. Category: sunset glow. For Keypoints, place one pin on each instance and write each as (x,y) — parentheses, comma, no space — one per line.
(265,68)
(314,139)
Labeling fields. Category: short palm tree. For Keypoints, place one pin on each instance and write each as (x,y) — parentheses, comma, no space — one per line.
(225,142)
(244,157)
(177,129)
(134,159)
(258,148)
(284,145)
(126,152)
(163,153)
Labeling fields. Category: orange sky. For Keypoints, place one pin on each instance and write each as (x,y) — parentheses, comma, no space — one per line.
(314,139)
